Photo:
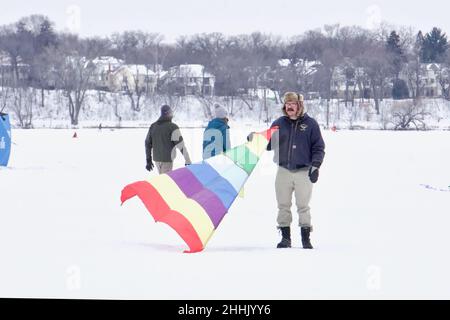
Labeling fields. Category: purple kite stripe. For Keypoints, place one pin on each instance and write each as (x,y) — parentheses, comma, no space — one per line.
(186,181)
(212,205)
(193,189)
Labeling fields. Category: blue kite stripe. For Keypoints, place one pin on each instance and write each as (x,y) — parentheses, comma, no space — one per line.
(213,181)
(193,189)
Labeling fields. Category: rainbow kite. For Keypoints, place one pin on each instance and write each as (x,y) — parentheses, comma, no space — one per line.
(193,200)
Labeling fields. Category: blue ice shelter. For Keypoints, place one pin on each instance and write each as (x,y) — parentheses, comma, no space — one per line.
(5,139)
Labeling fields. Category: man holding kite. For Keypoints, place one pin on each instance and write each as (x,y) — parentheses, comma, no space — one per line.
(299,153)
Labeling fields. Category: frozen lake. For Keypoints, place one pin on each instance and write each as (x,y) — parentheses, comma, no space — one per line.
(379,232)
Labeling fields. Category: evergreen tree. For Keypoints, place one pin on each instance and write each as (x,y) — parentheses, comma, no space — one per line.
(393,43)
(418,45)
(395,51)
(435,46)
(47,36)
(400,89)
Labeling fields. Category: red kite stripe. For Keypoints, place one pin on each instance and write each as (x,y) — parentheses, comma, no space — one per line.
(161,212)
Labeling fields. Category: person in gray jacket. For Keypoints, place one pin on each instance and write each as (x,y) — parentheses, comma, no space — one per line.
(163,139)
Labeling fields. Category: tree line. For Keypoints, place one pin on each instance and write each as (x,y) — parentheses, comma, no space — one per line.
(384,62)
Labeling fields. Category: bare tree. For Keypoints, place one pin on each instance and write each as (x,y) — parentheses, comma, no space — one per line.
(74,72)
(4,97)
(377,70)
(329,61)
(262,55)
(25,40)
(350,79)
(42,73)
(415,72)
(353,43)
(134,88)
(114,100)
(11,42)
(443,76)
(297,75)
(137,47)
(207,104)
(21,101)
(406,114)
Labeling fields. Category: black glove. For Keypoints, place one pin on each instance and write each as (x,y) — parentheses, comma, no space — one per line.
(250,136)
(314,172)
(149,165)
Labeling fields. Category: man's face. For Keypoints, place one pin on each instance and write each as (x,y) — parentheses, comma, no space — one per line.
(292,109)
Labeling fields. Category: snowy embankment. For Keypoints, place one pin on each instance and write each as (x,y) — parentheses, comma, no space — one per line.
(378,232)
(114,110)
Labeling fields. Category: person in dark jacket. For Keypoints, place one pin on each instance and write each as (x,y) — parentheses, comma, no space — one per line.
(216,137)
(163,139)
(299,152)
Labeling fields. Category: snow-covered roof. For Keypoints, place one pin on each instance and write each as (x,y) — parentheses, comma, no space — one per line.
(309,67)
(134,70)
(107,63)
(284,62)
(139,69)
(75,60)
(307,63)
(107,60)
(189,71)
(5,60)
(433,66)
(162,74)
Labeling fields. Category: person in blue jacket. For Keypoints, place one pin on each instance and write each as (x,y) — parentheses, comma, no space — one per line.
(299,152)
(216,137)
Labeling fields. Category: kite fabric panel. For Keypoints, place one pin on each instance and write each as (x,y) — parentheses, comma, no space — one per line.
(193,200)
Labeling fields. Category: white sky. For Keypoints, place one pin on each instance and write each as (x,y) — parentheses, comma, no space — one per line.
(176,17)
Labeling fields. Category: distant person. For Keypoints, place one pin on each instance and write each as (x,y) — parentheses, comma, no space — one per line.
(216,137)
(163,139)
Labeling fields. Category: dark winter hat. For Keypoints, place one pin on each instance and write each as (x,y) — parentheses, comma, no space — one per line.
(166,111)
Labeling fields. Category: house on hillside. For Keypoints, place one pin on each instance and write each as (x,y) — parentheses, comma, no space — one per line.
(297,74)
(8,75)
(132,77)
(104,66)
(430,80)
(350,83)
(188,79)
(358,85)
(143,77)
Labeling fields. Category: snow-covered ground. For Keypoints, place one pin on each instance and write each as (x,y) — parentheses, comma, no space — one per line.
(378,232)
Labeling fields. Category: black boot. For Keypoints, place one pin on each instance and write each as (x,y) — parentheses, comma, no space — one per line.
(306,242)
(286,237)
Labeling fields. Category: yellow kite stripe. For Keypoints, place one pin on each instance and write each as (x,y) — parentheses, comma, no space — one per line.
(190,209)
(258,144)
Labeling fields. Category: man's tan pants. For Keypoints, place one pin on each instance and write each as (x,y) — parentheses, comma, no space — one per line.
(297,182)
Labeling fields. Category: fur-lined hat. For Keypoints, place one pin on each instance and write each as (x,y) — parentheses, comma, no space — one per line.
(292,97)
